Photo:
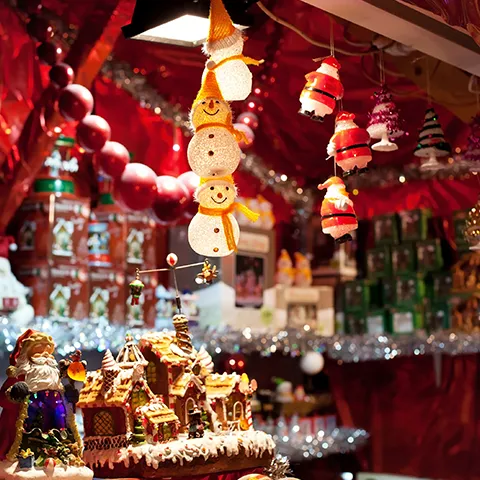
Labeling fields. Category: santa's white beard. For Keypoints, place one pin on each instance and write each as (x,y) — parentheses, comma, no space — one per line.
(40,374)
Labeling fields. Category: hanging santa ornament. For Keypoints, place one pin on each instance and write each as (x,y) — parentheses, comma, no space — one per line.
(322,90)
(384,123)
(224,47)
(338,216)
(213,150)
(214,232)
(472,153)
(431,142)
(349,145)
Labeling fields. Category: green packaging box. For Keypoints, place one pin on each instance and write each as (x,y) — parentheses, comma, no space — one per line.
(414,224)
(379,262)
(385,229)
(404,258)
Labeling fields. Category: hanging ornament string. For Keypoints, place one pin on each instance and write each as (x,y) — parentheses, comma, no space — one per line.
(332,53)
(382,68)
(429,98)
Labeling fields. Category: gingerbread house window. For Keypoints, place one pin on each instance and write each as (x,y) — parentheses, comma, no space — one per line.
(237,411)
(103,424)
(139,399)
(151,373)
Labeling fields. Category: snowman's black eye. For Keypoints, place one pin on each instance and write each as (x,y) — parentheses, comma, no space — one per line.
(226,188)
(212,188)
(203,103)
(216,101)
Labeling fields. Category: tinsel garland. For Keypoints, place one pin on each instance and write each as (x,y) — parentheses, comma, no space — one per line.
(340,440)
(100,335)
(279,468)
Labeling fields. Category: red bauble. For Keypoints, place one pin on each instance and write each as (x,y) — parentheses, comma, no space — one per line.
(249,119)
(61,75)
(136,188)
(39,29)
(112,159)
(75,102)
(243,127)
(170,201)
(29,6)
(48,53)
(92,133)
(190,181)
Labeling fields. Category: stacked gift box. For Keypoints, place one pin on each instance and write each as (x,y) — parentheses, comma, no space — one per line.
(119,243)
(52,239)
(406,286)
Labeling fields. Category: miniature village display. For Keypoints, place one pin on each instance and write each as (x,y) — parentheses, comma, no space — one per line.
(38,433)
(158,409)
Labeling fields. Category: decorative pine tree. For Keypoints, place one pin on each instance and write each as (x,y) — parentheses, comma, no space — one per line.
(384,123)
(472,153)
(431,142)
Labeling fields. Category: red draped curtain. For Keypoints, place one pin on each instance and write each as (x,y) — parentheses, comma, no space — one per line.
(417,427)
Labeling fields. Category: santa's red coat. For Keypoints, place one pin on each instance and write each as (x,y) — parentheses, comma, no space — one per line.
(322,88)
(351,143)
(8,419)
(336,216)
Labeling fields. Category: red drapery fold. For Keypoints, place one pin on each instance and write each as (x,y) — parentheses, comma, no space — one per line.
(416,428)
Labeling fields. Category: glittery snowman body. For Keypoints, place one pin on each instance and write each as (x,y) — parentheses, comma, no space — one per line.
(206,235)
(234,77)
(213,151)
(206,232)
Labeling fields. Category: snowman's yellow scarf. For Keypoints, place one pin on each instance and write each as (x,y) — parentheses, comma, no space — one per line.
(239,135)
(243,58)
(226,222)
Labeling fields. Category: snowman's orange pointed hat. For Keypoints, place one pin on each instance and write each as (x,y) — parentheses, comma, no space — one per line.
(222,33)
(209,89)
(332,181)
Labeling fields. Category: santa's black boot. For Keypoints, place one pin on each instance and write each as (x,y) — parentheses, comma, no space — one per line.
(317,118)
(349,173)
(362,170)
(305,113)
(346,238)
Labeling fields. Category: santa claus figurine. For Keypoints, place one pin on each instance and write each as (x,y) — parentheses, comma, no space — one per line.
(338,216)
(349,145)
(322,90)
(37,415)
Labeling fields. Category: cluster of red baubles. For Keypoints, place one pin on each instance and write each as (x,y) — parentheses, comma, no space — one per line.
(136,186)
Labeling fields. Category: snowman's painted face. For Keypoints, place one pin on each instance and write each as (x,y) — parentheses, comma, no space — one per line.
(217,196)
(211,110)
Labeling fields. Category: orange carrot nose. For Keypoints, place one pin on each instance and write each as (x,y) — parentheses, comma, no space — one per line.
(219,195)
(211,104)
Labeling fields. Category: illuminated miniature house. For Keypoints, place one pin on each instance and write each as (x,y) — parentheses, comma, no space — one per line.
(118,406)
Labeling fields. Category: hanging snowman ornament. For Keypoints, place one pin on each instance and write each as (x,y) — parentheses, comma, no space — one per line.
(213,231)
(322,90)
(384,123)
(338,216)
(349,145)
(224,47)
(213,150)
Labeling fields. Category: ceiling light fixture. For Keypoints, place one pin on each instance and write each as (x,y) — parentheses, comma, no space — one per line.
(180,22)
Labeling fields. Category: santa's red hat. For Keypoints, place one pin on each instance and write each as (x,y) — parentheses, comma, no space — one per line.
(18,346)
(332,61)
(7,243)
(342,116)
(332,181)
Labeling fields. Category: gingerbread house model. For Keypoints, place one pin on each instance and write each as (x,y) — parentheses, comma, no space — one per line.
(118,406)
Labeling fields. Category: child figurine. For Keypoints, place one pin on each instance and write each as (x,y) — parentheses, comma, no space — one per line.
(196,427)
